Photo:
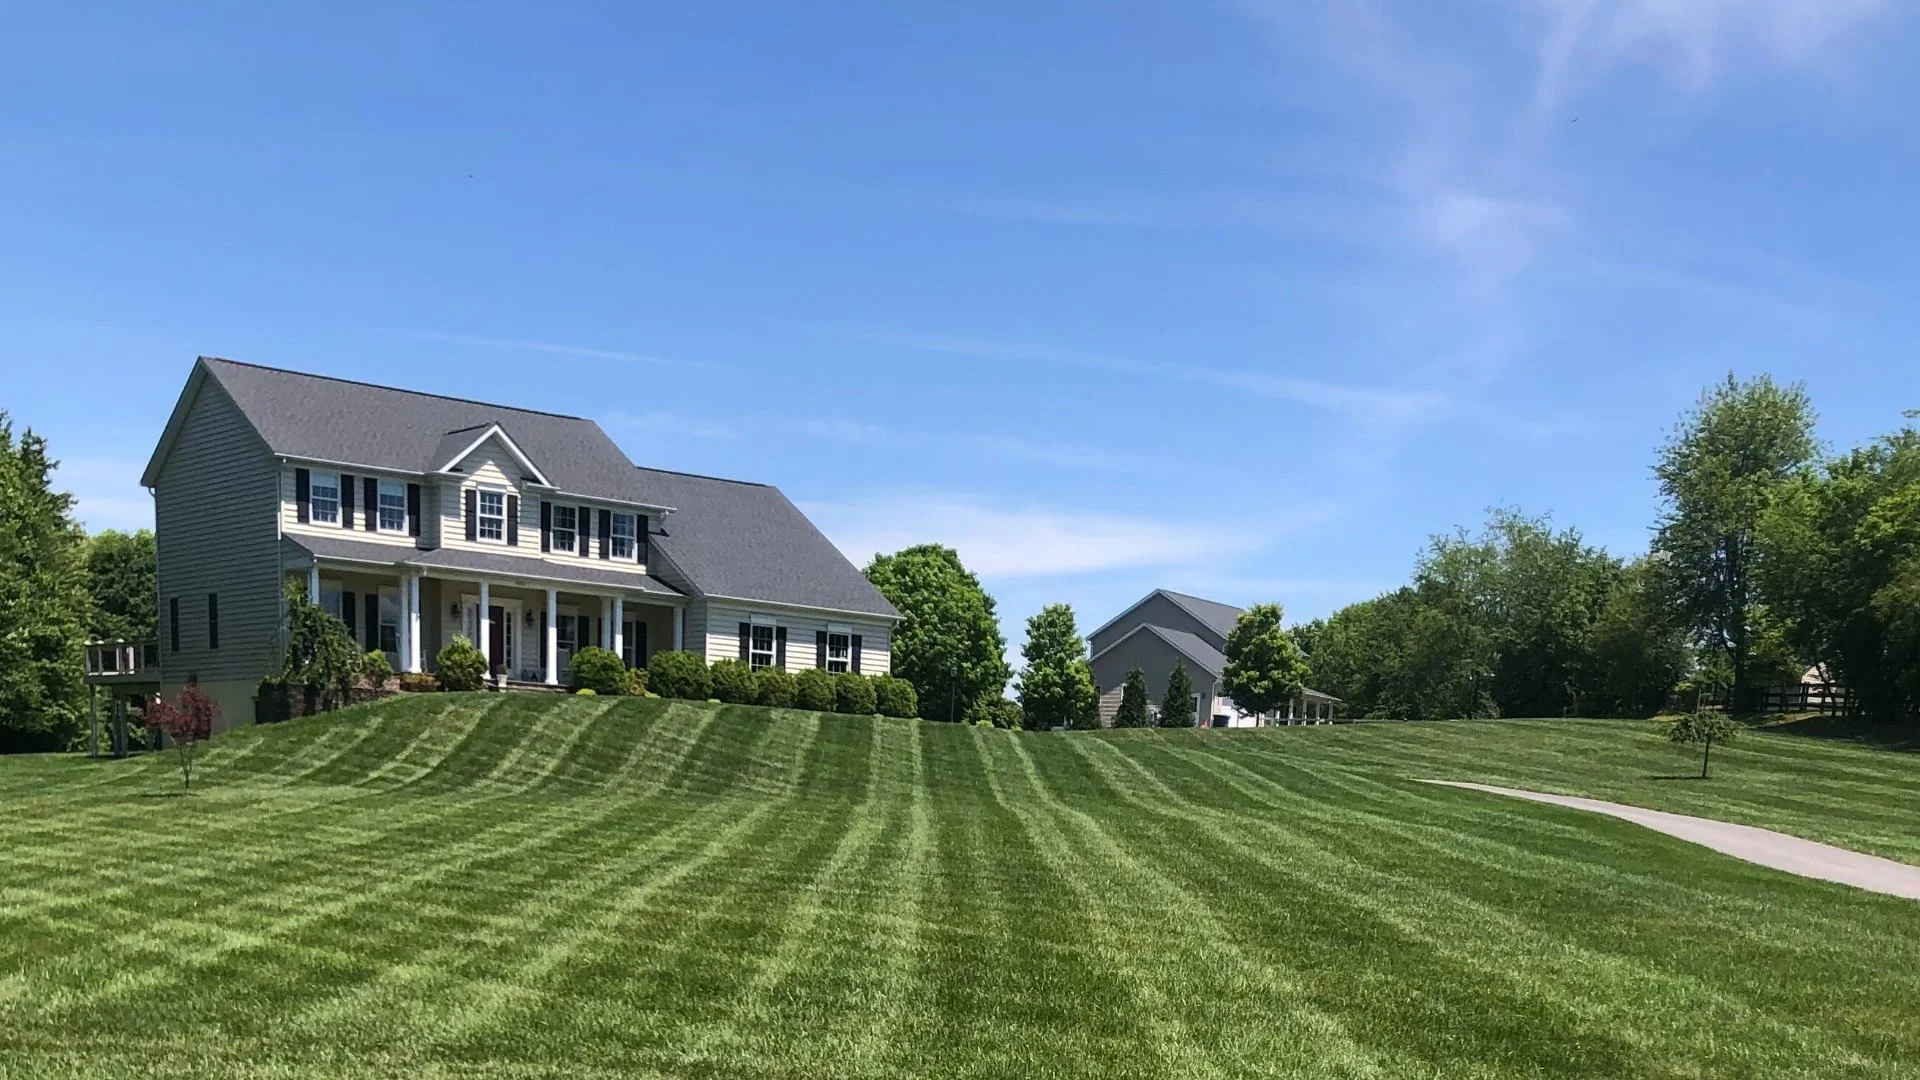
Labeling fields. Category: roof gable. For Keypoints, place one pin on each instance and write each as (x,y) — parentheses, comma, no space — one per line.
(1215,617)
(456,446)
(1203,655)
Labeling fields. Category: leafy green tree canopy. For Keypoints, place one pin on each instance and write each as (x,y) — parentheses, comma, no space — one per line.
(1264,667)
(1703,729)
(1727,464)
(121,576)
(1056,689)
(948,643)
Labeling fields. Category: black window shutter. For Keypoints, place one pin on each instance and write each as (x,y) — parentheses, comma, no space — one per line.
(599,630)
(639,643)
(583,634)
(372,601)
(347,495)
(583,529)
(746,636)
(780,647)
(546,525)
(413,509)
(213,620)
(856,654)
(302,495)
(372,507)
(350,614)
(819,648)
(641,526)
(513,521)
(606,534)
(473,514)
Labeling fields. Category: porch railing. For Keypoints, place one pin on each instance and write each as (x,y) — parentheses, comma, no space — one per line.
(121,659)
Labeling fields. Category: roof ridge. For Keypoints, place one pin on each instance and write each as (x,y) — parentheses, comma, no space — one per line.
(395,389)
(704,476)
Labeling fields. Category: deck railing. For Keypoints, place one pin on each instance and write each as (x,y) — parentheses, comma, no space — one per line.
(110,659)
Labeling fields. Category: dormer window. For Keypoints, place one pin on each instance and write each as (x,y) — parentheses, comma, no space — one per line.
(565,527)
(492,515)
(324,497)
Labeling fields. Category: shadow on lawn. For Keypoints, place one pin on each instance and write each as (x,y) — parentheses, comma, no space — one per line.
(1878,734)
(1678,776)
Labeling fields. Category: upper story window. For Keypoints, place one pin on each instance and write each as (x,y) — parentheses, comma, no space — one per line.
(566,521)
(623,533)
(760,647)
(839,651)
(323,498)
(393,507)
(492,515)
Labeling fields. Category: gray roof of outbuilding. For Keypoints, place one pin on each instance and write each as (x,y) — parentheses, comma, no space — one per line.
(747,541)
(321,418)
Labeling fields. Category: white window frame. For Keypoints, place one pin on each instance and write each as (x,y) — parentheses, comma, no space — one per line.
(623,546)
(843,662)
(481,517)
(332,516)
(573,531)
(396,491)
(757,657)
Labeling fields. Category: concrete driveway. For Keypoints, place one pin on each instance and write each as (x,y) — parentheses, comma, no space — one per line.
(1763,846)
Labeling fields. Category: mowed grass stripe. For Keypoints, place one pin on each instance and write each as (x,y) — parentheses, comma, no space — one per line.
(494,886)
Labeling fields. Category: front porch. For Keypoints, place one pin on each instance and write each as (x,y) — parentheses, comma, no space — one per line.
(528,628)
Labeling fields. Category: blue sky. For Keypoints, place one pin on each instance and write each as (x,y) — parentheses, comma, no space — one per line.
(1245,299)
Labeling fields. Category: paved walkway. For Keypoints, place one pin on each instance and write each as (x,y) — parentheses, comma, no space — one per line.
(1763,846)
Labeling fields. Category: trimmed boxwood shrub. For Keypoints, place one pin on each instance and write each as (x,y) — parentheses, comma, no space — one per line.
(375,667)
(732,682)
(637,682)
(599,670)
(814,689)
(775,687)
(853,694)
(894,697)
(677,673)
(461,667)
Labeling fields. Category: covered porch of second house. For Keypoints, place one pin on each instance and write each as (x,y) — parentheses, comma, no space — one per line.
(529,621)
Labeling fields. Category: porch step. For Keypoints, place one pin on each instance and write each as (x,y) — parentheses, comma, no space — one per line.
(519,686)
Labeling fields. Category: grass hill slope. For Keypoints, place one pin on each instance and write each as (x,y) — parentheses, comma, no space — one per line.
(522,886)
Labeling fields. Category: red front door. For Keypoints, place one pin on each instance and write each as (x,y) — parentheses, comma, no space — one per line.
(496,639)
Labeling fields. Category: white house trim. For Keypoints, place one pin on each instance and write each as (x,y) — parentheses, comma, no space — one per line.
(493,431)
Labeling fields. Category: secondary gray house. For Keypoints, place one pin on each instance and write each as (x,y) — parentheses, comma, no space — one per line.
(1165,628)
(414,517)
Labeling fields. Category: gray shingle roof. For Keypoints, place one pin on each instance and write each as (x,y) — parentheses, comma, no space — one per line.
(738,539)
(1220,617)
(1210,659)
(354,423)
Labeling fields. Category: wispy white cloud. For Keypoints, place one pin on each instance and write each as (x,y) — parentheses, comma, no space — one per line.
(556,348)
(1024,541)
(107,492)
(669,423)
(1362,403)
(1058,453)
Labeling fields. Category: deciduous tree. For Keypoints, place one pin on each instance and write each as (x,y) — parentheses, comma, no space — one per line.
(1264,669)
(1726,466)
(121,580)
(186,721)
(1056,689)
(1703,729)
(948,642)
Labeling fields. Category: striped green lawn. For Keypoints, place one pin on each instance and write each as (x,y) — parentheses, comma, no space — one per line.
(460,886)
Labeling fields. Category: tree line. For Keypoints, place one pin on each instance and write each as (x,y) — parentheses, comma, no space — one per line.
(1769,556)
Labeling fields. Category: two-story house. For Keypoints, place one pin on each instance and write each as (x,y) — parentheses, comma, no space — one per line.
(415,517)
(1164,628)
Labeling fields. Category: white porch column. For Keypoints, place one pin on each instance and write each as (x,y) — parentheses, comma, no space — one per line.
(553,637)
(679,628)
(313,582)
(403,633)
(481,626)
(606,623)
(619,631)
(411,590)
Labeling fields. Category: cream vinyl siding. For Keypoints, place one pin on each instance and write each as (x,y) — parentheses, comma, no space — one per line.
(489,466)
(290,507)
(722,634)
(213,509)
